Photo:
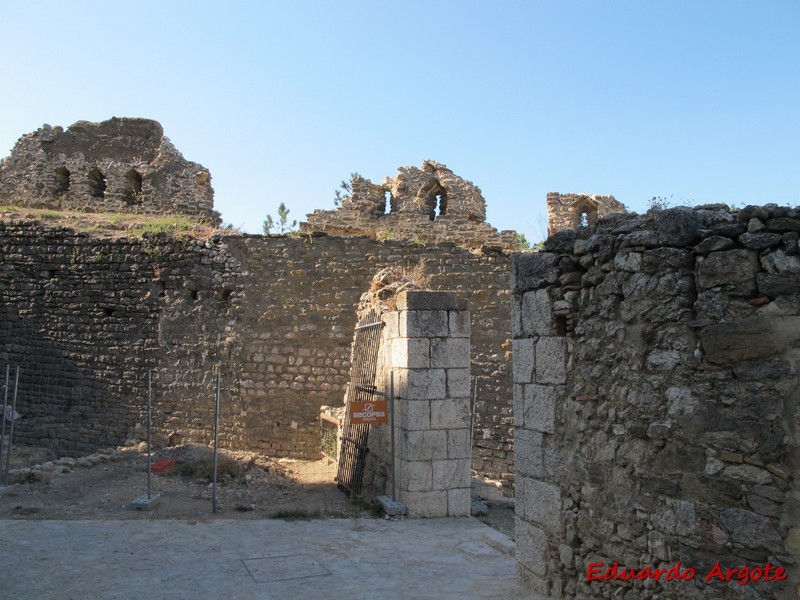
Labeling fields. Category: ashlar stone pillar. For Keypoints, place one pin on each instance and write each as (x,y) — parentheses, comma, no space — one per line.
(428,349)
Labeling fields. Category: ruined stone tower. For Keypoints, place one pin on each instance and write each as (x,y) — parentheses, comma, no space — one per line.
(573,211)
(119,165)
(428,204)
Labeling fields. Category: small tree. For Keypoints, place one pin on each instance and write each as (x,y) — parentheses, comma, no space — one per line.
(283,225)
(347,188)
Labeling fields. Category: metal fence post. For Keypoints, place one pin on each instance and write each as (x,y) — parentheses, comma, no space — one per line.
(216,441)
(3,417)
(11,427)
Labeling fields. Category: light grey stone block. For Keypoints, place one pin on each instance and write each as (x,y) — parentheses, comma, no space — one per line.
(424,323)
(411,353)
(537,314)
(459,321)
(429,300)
(459,443)
(551,360)
(414,415)
(391,327)
(423,445)
(425,504)
(524,357)
(450,413)
(450,353)
(449,474)
(457,383)
(532,546)
(414,476)
(459,502)
(538,503)
(420,384)
(518,405)
(528,453)
(538,407)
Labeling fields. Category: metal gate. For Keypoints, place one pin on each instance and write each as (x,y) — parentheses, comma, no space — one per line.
(361,388)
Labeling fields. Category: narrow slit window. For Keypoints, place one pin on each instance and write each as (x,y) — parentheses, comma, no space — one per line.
(61,180)
(97,183)
(133,185)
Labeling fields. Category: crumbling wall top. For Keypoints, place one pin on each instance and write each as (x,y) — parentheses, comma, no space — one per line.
(430,203)
(573,211)
(119,165)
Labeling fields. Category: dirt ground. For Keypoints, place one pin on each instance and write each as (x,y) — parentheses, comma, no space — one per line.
(250,486)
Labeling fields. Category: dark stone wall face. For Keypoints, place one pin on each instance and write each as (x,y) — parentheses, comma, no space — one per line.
(656,385)
(86,317)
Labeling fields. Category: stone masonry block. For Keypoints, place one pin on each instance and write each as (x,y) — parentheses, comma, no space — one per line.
(531,546)
(416,476)
(537,315)
(449,474)
(424,323)
(518,405)
(423,445)
(551,360)
(450,413)
(539,503)
(459,502)
(425,504)
(428,300)
(530,270)
(524,357)
(414,415)
(457,383)
(529,453)
(420,384)
(538,407)
(391,325)
(459,444)
(411,353)
(459,323)
(450,353)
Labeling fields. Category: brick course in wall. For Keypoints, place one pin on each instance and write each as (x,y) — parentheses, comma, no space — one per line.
(86,317)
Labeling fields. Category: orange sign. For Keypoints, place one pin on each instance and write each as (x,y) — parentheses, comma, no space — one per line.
(373,412)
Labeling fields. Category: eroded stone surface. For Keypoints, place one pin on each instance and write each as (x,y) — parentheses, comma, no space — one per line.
(119,165)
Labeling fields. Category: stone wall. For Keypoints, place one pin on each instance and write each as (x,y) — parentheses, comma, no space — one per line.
(86,317)
(430,204)
(655,402)
(574,211)
(119,165)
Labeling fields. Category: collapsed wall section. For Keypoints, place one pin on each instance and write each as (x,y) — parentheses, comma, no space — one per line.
(86,317)
(119,165)
(427,204)
(655,402)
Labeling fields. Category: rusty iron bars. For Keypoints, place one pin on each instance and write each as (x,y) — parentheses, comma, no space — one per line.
(361,388)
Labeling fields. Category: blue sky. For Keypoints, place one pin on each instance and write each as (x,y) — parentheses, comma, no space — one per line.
(694,101)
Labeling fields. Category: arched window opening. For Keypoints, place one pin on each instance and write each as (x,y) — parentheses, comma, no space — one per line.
(388,207)
(97,183)
(436,202)
(61,180)
(133,186)
(586,216)
(440,206)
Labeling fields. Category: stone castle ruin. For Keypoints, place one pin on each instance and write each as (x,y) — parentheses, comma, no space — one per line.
(575,211)
(649,416)
(428,204)
(119,165)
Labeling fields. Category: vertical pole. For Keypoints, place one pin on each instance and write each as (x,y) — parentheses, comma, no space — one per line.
(149,453)
(3,415)
(391,418)
(472,402)
(216,440)
(11,428)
